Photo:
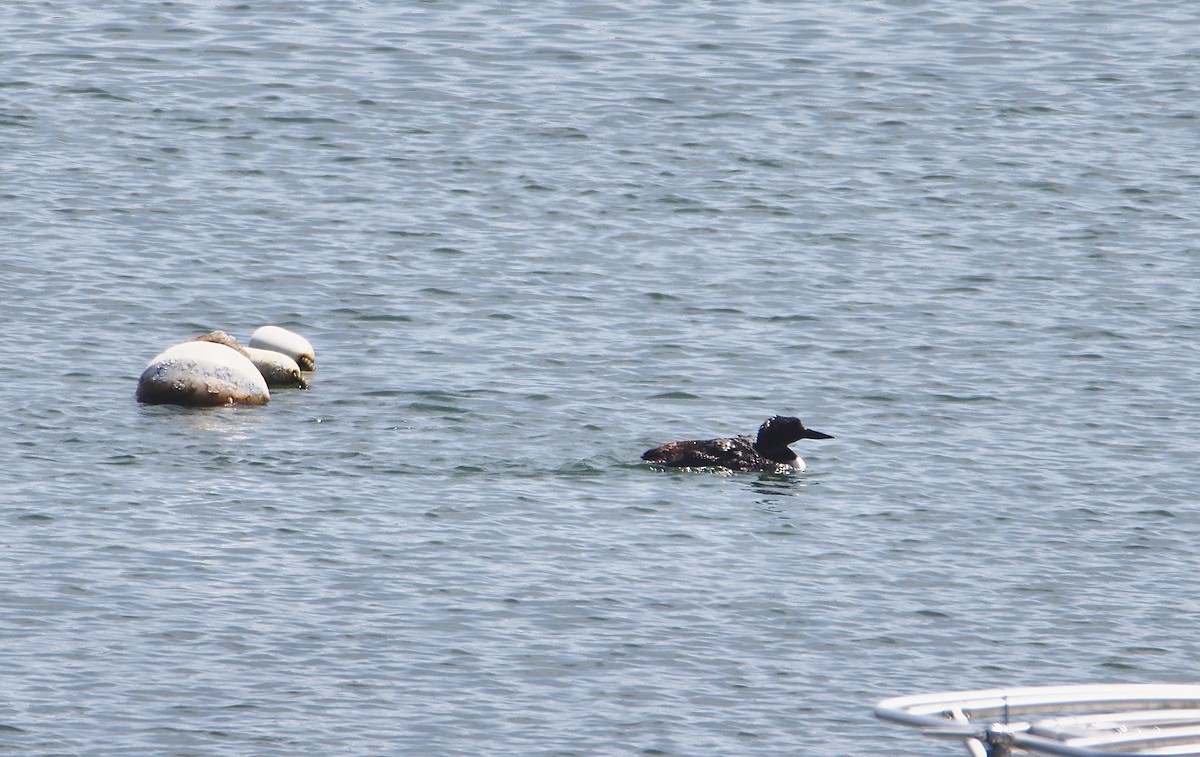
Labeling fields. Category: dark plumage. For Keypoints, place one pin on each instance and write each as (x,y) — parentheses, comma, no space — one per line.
(768,452)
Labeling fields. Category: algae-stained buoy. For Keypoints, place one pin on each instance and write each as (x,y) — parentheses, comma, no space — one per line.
(289,343)
(202,374)
(277,368)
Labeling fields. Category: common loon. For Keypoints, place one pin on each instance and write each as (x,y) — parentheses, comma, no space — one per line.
(769,452)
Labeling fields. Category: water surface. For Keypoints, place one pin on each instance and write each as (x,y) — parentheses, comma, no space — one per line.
(529,244)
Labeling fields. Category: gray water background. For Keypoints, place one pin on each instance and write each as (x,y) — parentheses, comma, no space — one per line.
(529,242)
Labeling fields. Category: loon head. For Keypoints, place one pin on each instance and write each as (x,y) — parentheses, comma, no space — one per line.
(777,432)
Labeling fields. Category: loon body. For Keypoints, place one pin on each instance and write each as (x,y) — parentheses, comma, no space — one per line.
(768,451)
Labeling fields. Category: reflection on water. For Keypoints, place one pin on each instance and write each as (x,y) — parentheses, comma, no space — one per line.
(234,423)
(778,484)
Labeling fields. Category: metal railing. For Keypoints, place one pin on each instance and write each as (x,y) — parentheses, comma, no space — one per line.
(1119,720)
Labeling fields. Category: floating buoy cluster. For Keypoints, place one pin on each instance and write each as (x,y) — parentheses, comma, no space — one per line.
(213,369)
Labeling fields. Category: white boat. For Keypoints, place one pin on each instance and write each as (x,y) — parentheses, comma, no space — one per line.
(1119,720)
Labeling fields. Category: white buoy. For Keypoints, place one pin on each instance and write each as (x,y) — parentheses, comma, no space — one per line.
(202,374)
(277,368)
(289,343)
